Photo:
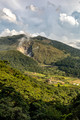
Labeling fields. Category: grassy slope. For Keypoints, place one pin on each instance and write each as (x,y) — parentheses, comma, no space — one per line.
(46,54)
(59,45)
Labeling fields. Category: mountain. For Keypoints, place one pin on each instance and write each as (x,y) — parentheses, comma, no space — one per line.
(59,45)
(32,47)
(42,51)
(40,48)
(47,51)
(26,53)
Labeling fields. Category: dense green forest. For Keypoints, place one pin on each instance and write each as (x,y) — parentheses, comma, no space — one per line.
(24,98)
(70,65)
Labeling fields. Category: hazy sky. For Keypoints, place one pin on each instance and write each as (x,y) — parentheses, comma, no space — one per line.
(55,19)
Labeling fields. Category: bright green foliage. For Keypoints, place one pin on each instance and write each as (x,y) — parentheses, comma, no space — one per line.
(25,98)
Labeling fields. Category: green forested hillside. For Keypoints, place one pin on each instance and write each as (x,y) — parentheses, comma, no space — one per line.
(70,65)
(24,98)
(20,61)
(66,48)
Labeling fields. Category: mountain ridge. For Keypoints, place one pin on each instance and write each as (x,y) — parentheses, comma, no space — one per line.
(40,51)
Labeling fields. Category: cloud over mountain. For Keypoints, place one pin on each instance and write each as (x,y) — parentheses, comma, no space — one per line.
(7,32)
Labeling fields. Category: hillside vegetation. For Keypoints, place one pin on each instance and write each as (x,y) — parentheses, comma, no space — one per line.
(70,65)
(20,61)
(24,98)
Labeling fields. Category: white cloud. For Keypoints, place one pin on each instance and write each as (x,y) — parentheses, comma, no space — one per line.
(68,19)
(7,14)
(7,32)
(32,8)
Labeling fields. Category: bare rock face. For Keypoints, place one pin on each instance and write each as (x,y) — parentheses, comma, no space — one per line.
(21,49)
(23,46)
